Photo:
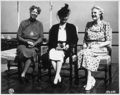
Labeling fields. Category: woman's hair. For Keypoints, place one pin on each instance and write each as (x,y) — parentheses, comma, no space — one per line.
(101,11)
(35,7)
(64,11)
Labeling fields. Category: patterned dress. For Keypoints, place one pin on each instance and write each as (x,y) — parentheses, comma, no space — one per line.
(89,57)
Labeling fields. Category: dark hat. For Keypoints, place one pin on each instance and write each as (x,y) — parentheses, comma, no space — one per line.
(64,11)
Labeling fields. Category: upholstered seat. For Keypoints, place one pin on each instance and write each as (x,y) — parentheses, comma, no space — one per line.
(106,59)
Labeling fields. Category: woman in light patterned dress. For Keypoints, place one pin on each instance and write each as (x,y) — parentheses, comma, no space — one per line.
(98,35)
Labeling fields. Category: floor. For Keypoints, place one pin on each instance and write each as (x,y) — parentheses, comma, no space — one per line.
(12,85)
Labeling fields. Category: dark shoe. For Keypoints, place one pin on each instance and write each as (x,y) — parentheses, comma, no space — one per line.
(23,80)
(27,79)
(60,83)
(54,85)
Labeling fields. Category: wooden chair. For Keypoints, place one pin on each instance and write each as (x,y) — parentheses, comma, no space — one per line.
(71,60)
(10,64)
(43,50)
(19,65)
(77,74)
(15,62)
(104,66)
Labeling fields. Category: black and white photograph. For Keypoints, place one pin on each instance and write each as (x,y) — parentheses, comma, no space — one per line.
(59,46)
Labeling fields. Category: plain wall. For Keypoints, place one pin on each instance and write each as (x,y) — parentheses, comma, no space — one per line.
(81,12)
(9,19)
(80,15)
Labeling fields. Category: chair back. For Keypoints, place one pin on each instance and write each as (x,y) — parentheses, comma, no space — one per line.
(73,52)
(109,47)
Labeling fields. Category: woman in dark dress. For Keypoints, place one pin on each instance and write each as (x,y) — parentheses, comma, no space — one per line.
(30,33)
(61,36)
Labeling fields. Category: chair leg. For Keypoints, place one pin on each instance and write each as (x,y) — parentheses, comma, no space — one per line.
(71,75)
(86,74)
(110,74)
(8,65)
(70,70)
(33,75)
(106,71)
(19,69)
(76,73)
(39,72)
(39,68)
(49,72)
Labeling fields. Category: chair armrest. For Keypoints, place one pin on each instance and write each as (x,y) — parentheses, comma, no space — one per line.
(109,48)
(73,49)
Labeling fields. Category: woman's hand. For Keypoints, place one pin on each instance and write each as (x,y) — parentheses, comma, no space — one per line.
(63,46)
(30,44)
(58,47)
(84,46)
(66,47)
(94,46)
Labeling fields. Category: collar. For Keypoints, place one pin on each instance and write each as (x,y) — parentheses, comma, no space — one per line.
(62,26)
(32,20)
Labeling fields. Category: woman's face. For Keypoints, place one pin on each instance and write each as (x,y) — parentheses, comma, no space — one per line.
(95,14)
(34,14)
(63,20)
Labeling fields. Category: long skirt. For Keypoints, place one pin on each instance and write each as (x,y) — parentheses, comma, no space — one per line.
(90,58)
(25,52)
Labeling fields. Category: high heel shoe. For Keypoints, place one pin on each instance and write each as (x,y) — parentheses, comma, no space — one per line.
(27,79)
(59,79)
(89,87)
(60,83)
(54,85)
(91,84)
(23,80)
(93,81)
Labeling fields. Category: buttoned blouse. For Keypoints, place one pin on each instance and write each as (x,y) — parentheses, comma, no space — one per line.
(62,33)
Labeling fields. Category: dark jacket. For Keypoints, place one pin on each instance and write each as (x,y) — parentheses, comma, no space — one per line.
(71,33)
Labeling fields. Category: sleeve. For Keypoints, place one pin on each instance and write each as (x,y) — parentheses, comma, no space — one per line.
(52,43)
(19,33)
(50,34)
(72,36)
(40,35)
(41,31)
(85,35)
(75,36)
(108,32)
